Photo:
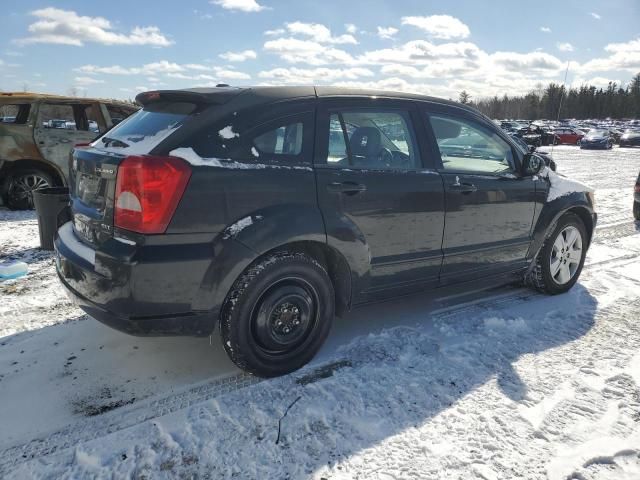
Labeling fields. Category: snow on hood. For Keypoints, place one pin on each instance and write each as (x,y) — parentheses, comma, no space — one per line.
(193,158)
(561,185)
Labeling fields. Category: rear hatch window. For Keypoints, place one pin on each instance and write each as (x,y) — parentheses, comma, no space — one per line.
(145,129)
(93,171)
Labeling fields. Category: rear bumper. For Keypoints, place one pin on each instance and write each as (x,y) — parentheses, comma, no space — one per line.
(132,289)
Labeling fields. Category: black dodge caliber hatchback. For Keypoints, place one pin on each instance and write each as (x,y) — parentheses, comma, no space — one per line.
(269,210)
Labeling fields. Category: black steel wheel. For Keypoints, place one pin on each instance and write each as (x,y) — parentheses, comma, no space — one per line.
(278,314)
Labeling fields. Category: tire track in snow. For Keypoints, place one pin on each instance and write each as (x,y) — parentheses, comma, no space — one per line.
(125,417)
(148,409)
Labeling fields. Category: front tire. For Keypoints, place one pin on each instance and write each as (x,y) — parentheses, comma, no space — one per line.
(278,314)
(560,261)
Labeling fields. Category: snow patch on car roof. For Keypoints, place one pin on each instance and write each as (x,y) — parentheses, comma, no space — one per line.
(193,158)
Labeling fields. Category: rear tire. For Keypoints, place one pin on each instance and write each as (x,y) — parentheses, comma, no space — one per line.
(636,210)
(20,185)
(278,314)
(560,261)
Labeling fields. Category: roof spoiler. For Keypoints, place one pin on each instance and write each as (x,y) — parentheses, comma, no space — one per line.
(211,97)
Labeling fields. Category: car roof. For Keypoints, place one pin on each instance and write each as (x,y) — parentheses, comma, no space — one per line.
(13,97)
(246,96)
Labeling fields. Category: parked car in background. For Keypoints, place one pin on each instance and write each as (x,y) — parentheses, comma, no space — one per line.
(35,145)
(636,199)
(568,135)
(597,139)
(267,211)
(630,138)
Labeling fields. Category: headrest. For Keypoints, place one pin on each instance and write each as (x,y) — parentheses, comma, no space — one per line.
(365,141)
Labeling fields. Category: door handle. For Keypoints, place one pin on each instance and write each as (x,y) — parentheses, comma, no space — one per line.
(463,187)
(348,188)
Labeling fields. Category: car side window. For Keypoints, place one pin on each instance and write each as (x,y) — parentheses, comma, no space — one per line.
(283,140)
(16,114)
(372,139)
(468,146)
(279,141)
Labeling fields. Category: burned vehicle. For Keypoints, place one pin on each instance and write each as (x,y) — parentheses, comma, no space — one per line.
(37,134)
(264,212)
(538,136)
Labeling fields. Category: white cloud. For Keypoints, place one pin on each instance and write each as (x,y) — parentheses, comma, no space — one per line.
(152,71)
(275,32)
(160,67)
(421,52)
(12,53)
(623,56)
(564,46)
(439,26)
(242,5)
(387,32)
(84,81)
(318,33)
(293,50)
(599,82)
(350,28)
(238,56)
(538,62)
(232,74)
(545,29)
(66,27)
(313,75)
(595,15)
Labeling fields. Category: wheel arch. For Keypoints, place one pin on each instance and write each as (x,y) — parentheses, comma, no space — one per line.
(577,203)
(28,163)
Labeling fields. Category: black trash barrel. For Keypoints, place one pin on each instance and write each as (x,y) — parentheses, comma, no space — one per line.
(52,207)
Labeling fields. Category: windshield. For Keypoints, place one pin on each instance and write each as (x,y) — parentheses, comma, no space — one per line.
(598,133)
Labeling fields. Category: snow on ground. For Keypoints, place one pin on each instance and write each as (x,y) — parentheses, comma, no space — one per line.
(498,384)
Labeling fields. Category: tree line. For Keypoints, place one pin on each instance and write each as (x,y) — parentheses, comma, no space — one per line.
(586,101)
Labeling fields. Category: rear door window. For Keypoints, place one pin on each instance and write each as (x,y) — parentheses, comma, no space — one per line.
(57,116)
(372,139)
(282,141)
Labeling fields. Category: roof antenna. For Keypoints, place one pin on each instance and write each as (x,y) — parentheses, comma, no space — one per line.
(560,105)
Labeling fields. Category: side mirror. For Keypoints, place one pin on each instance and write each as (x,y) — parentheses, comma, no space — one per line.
(532,164)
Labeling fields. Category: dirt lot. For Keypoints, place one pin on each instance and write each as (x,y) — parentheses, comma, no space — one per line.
(495,384)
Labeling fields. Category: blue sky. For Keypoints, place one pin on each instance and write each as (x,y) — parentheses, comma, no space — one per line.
(118,48)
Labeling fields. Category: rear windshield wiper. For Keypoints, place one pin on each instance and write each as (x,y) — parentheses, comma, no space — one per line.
(114,141)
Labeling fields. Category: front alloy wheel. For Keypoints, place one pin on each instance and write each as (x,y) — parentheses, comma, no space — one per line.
(566,255)
(559,262)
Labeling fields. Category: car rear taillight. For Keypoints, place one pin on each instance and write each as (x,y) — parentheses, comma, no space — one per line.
(148,190)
